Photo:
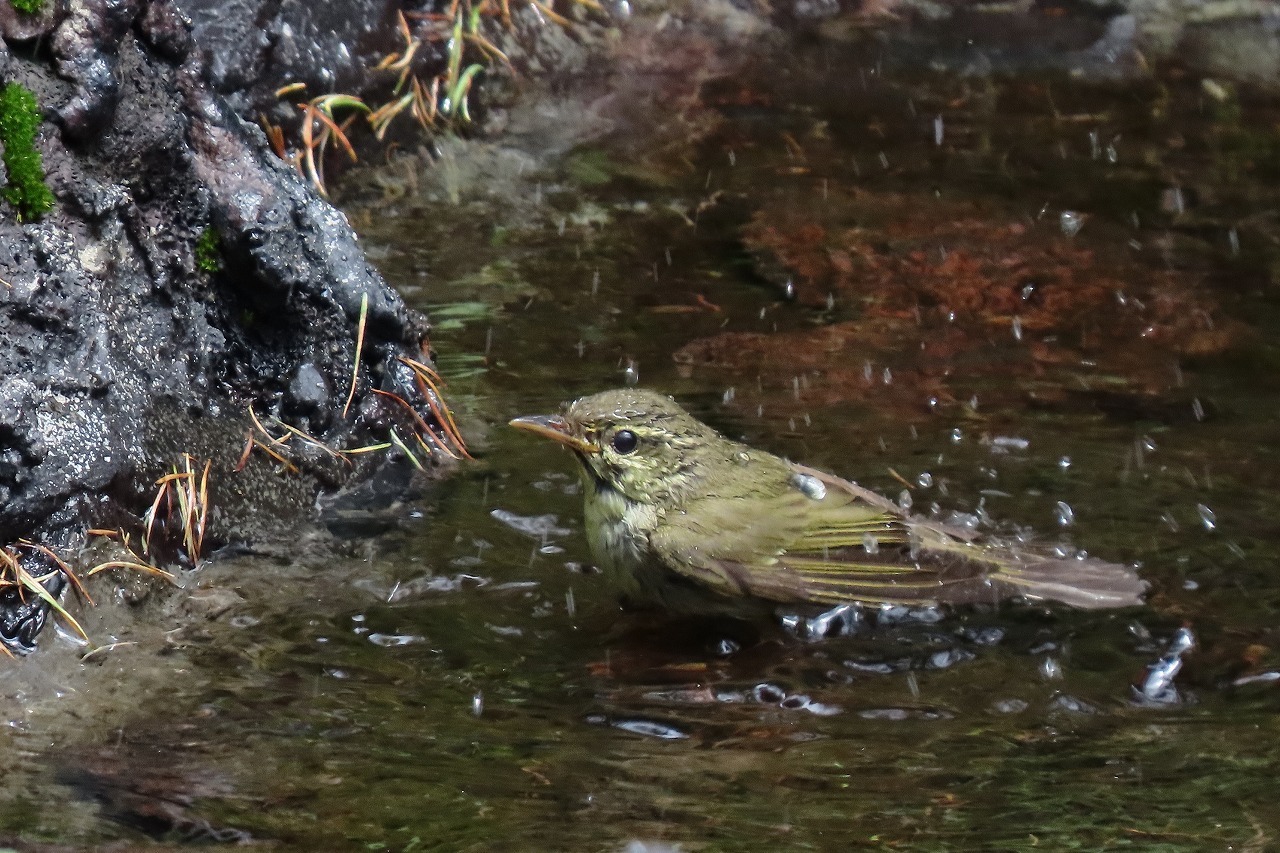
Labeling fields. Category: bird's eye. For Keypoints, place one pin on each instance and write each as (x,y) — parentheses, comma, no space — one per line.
(624,441)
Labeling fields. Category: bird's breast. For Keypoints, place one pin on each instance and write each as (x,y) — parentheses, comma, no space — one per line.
(618,532)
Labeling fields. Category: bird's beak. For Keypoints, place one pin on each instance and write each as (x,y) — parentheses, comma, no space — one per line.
(555,428)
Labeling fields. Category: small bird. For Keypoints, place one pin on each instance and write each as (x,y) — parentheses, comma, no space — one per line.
(680,516)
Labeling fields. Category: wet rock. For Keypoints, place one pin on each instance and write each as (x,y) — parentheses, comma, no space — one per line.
(85,45)
(119,355)
(256,46)
(18,26)
(167,30)
(308,390)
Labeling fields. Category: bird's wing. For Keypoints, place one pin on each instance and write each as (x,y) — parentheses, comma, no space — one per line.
(822,540)
(829,541)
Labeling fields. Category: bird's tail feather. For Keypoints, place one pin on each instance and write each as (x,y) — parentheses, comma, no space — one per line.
(1087,583)
(951,572)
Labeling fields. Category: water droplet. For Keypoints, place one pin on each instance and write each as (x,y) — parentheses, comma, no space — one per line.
(904,500)
(1094,148)
(789,290)
(1017,328)
(1010,706)
(1050,669)
(811,486)
(1183,641)
(631,375)
(1064,463)
(925,480)
(477,703)
(1072,705)
(1189,585)
(956,436)
(768,694)
(1070,222)
(1197,409)
(868,374)
(1207,518)
(726,647)
(887,377)
(650,728)
(947,658)
(389,640)
(536,526)
(1169,521)
(870,544)
(839,621)
(937,130)
(1006,443)
(1064,513)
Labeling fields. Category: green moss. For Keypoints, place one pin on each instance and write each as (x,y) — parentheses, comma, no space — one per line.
(30,7)
(19,121)
(209,251)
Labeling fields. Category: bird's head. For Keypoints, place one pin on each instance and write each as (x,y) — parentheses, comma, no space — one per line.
(639,443)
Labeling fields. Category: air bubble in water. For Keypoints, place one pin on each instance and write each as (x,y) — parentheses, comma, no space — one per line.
(1064,513)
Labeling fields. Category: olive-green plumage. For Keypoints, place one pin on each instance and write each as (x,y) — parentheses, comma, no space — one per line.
(674,510)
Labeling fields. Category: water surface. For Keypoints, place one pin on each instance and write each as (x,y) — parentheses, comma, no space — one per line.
(1031,289)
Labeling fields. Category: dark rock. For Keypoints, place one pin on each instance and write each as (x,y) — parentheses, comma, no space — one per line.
(117,354)
(85,45)
(167,30)
(308,390)
(256,46)
(18,26)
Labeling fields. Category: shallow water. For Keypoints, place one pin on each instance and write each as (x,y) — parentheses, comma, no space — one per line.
(463,681)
